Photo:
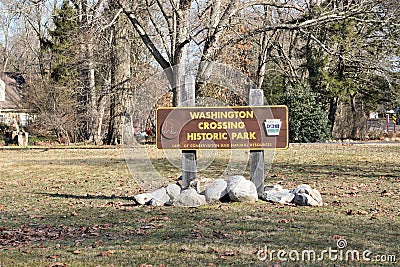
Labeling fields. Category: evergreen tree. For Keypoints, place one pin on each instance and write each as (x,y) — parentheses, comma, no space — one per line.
(64,47)
(308,121)
(58,105)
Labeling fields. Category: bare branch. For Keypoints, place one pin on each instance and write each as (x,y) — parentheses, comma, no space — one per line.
(158,30)
(96,8)
(293,25)
(168,17)
(323,46)
(113,20)
(146,40)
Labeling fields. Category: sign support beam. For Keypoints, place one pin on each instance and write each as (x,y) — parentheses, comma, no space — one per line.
(187,99)
(256,98)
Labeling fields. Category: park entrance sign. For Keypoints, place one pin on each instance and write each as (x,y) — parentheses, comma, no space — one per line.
(244,127)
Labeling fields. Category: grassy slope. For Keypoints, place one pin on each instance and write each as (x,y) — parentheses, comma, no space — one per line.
(73,208)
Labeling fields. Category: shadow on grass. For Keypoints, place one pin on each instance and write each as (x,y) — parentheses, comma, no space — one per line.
(102,162)
(88,196)
(388,171)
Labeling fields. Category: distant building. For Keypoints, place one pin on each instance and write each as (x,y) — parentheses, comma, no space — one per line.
(2,91)
(12,107)
(374,115)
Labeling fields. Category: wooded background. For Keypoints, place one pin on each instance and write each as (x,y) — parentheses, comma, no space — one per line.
(332,62)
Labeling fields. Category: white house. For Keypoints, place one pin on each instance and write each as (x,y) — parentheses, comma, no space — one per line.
(11,101)
(2,91)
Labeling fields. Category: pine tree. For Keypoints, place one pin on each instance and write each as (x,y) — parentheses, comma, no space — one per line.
(63,47)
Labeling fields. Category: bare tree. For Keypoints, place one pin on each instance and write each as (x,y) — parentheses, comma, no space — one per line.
(91,100)
(169,27)
(120,76)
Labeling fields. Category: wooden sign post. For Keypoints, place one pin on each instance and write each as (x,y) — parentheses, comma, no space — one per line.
(256,98)
(187,99)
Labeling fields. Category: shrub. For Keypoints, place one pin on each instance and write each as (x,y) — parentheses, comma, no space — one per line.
(308,121)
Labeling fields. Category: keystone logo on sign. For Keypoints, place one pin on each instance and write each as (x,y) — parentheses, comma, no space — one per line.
(273,126)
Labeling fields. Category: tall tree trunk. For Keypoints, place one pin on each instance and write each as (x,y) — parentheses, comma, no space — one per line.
(98,136)
(354,116)
(210,47)
(262,56)
(94,120)
(120,79)
(261,60)
(179,57)
(83,92)
(311,66)
(88,96)
(333,105)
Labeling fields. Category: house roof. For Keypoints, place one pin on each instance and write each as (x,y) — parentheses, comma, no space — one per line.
(13,89)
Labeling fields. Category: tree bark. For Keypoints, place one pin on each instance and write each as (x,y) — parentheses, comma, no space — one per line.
(354,116)
(333,104)
(120,79)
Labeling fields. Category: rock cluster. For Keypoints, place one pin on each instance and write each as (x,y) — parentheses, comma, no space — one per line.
(235,188)
(201,191)
(302,195)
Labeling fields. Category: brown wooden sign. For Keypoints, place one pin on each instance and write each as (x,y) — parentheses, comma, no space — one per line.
(254,128)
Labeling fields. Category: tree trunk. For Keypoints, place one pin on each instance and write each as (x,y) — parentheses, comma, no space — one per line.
(262,56)
(333,105)
(262,60)
(179,57)
(354,116)
(120,79)
(84,92)
(210,48)
(98,134)
(96,103)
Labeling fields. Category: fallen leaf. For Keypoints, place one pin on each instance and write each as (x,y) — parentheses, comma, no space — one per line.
(338,237)
(53,256)
(196,233)
(183,249)
(57,264)
(107,253)
(349,212)
(238,232)
(220,235)
(97,243)
(224,208)
(214,250)
(374,216)
(231,253)
(286,220)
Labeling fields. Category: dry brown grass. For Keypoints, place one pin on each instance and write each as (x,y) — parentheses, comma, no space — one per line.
(73,207)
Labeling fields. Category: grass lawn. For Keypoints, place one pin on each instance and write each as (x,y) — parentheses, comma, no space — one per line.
(73,207)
